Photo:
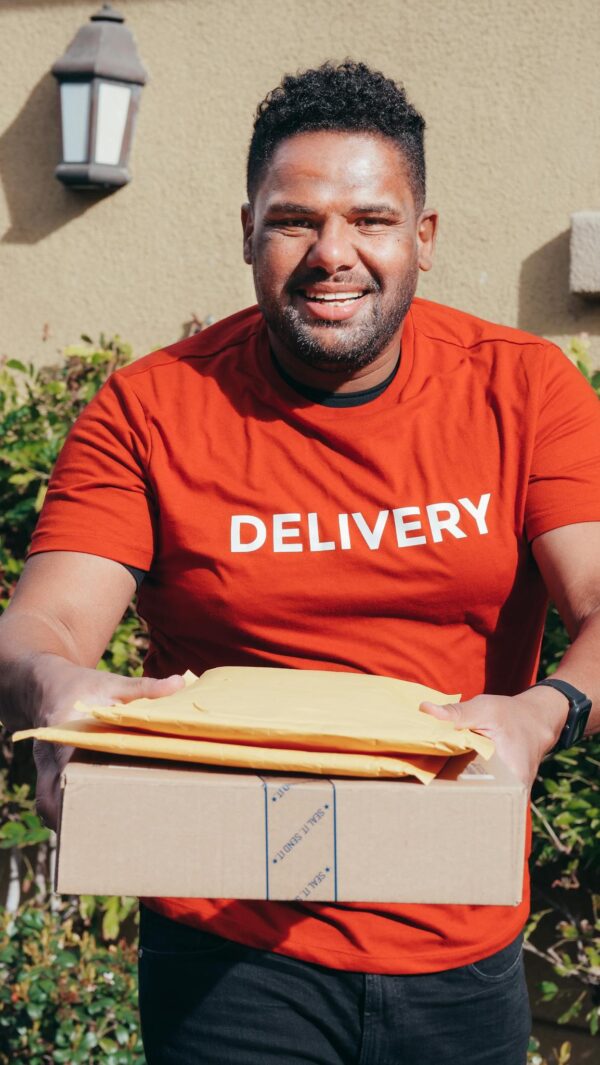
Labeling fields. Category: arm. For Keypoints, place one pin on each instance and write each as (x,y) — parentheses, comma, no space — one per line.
(60,619)
(525,727)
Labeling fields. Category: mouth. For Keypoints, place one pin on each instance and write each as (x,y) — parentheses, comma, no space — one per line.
(332,304)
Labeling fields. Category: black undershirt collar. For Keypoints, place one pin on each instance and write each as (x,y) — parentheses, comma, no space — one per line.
(335,399)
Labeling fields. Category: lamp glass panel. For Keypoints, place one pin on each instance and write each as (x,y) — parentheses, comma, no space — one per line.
(113,108)
(75,110)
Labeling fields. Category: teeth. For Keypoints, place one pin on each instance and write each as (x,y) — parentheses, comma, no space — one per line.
(331,297)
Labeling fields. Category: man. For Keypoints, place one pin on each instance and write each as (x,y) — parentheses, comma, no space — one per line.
(345,478)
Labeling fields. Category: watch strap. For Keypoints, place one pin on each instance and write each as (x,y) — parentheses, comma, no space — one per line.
(579,711)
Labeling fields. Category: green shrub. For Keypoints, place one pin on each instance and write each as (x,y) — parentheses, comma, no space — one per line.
(37,408)
(63,996)
(90,1012)
(560,1056)
(566,842)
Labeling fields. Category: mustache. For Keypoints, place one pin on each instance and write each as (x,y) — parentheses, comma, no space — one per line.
(316,276)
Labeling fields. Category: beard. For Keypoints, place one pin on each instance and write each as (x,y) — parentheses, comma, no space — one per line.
(348,346)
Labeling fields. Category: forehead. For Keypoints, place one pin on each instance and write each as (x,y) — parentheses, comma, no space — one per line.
(325,165)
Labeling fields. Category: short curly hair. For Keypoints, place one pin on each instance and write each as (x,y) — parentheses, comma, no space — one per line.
(348,97)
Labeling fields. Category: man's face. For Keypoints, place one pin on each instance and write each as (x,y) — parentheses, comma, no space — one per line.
(336,244)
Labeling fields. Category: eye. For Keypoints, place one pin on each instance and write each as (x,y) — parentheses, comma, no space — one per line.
(372,221)
(290,223)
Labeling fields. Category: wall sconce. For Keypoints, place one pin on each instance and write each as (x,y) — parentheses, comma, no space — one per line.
(100,78)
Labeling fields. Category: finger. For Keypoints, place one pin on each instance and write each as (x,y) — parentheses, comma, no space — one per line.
(150,687)
(47,799)
(44,756)
(47,803)
(50,760)
(124,689)
(46,808)
(448,712)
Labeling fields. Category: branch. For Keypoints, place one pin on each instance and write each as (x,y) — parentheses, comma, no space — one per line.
(560,846)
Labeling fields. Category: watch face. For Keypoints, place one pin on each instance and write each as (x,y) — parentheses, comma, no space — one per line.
(580,718)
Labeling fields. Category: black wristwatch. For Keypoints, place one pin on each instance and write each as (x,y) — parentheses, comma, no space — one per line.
(579,711)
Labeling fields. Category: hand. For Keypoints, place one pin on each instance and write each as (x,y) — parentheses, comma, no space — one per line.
(523,727)
(58,685)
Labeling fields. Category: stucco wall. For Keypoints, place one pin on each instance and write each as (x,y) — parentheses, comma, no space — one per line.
(510,91)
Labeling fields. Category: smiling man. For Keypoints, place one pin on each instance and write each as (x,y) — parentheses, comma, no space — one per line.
(336,235)
(344,477)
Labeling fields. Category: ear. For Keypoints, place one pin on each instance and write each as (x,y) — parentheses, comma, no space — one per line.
(248,230)
(426,232)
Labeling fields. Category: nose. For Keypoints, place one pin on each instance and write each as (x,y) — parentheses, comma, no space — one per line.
(333,247)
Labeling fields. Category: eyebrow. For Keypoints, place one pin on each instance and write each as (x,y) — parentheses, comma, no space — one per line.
(375,208)
(299,208)
(289,208)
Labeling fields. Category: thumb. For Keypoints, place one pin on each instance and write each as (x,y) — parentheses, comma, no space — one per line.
(127,688)
(448,712)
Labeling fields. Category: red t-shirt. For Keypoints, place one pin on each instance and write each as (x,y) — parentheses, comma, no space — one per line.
(389,538)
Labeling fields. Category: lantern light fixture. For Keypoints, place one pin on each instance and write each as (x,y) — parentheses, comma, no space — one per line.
(100,79)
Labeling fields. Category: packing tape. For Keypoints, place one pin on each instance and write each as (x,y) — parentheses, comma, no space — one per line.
(300,838)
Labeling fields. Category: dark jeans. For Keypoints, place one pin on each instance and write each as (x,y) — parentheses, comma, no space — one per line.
(206,1000)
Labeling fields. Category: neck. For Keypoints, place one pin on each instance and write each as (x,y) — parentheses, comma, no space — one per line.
(333,380)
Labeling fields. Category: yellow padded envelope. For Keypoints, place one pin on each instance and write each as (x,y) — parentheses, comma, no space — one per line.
(300,709)
(310,721)
(92,735)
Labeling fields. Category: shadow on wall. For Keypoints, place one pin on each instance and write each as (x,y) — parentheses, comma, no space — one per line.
(546,306)
(29,152)
(47,3)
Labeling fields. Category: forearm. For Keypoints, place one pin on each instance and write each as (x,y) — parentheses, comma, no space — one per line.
(60,619)
(580,666)
(546,708)
(568,558)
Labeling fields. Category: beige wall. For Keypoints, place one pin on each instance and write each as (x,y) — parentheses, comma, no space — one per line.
(510,90)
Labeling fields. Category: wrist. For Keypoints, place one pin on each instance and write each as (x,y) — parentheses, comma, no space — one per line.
(22,691)
(52,680)
(580,706)
(550,709)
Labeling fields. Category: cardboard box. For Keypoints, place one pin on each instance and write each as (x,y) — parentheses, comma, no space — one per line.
(134,827)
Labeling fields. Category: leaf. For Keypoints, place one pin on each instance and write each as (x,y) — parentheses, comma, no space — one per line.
(66,958)
(87,906)
(35,836)
(584,365)
(23,478)
(534,920)
(74,351)
(15,364)
(122,1036)
(108,1045)
(12,834)
(548,989)
(40,497)
(110,921)
(564,1054)
(573,1010)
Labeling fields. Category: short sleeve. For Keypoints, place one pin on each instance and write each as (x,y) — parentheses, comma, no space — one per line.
(564,477)
(99,498)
